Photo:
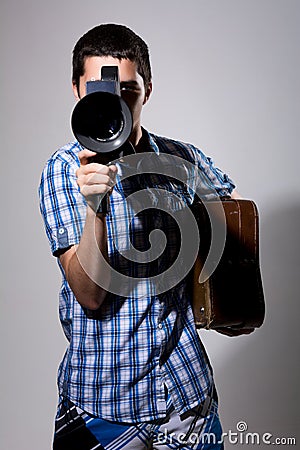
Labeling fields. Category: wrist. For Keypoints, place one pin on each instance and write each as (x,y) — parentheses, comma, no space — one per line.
(91,213)
(98,204)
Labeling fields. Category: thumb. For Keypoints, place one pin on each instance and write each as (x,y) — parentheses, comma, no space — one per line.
(85,155)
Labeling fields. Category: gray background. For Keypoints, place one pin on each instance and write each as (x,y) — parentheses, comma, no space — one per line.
(226,77)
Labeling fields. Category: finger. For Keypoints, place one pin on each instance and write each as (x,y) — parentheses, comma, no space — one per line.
(85,155)
(98,178)
(96,174)
(113,168)
(95,178)
(97,168)
(92,168)
(94,189)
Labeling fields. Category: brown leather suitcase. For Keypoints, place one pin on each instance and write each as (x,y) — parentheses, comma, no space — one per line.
(233,295)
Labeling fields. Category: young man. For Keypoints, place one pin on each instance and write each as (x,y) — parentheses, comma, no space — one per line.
(135,374)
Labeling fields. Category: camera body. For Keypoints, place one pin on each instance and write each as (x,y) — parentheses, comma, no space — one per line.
(101,121)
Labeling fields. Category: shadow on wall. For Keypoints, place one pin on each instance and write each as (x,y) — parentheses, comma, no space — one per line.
(259,382)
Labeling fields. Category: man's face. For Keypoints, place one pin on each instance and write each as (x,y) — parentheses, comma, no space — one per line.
(132,85)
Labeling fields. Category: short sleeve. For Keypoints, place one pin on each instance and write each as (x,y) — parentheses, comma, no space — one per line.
(211,180)
(62,206)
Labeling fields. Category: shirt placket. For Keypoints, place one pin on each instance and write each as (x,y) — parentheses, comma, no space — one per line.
(161,338)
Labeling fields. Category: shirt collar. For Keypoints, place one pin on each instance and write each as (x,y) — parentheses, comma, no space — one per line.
(149,143)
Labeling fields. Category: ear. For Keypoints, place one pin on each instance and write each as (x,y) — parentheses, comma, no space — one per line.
(75,90)
(147,93)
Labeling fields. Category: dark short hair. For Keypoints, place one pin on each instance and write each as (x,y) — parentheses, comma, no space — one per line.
(113,40)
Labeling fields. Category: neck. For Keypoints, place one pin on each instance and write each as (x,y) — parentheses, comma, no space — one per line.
(136,135)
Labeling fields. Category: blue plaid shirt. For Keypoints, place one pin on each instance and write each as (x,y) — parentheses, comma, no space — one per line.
(121,357)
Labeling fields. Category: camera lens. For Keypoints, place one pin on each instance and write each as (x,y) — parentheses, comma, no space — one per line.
(104,117)
(107,128)
(101,121)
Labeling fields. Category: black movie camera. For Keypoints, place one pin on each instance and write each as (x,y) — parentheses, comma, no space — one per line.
(101,121)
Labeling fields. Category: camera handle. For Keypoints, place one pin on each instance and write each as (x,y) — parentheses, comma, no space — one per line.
(108,159)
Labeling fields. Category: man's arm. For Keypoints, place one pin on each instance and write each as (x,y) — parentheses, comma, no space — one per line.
(236,195)
(84,264)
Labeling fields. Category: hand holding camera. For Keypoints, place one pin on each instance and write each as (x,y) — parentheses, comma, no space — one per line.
(95,180)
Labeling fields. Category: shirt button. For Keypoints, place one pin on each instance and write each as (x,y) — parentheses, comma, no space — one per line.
(61,230)
(160,326)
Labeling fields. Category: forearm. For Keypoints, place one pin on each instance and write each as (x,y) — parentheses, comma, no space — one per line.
(85,265)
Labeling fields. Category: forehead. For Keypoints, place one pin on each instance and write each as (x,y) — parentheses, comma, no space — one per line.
(93,65)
